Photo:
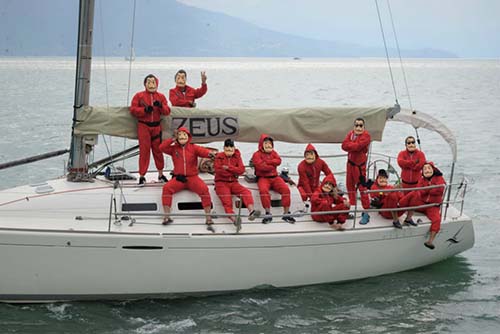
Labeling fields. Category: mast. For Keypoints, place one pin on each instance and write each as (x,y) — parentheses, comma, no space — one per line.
(82,145)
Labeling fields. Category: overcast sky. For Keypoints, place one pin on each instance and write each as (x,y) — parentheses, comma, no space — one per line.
(468,28)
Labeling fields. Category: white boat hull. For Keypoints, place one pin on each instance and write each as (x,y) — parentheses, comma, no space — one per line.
(47,266)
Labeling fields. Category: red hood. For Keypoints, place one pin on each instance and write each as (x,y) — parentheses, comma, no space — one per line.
(437,172)
(261,141)
(190,137)
(310,147)
(329,178)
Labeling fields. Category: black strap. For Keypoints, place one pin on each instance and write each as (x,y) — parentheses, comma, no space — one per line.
(409,182)
(150,124)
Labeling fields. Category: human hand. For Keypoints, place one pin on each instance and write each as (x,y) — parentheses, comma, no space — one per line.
(203,77)
(225,167)
(157,104)
(148,109)
(211,155)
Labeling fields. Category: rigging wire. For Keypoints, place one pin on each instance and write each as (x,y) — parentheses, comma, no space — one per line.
(402,68)
(130,59)
(109,148)
(386,52)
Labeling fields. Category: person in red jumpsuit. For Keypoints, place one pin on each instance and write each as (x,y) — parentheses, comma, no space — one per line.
(356,144)
(147,106)
(386,200)
(326,197)
(228,167)
(266,160)
(411,161)
(183,95)
(185,175)
(431,176)
(309,171)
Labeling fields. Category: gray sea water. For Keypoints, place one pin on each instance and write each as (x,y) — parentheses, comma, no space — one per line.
(459,295)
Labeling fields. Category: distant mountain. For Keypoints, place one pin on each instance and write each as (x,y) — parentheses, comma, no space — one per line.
(162,28)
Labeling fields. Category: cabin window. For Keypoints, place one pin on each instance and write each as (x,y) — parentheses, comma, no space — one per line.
(275,203)
(190,206)
(139,207)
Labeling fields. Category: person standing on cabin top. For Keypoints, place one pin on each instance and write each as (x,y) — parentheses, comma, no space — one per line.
(411,160)
(310,170)
(266,160)
(431,176)
(385,199)
(356,144)
(228,167)
(147,106)
(183,95)
(327,198)
(185,175)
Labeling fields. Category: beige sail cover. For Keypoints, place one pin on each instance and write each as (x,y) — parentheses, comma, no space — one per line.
(293,125)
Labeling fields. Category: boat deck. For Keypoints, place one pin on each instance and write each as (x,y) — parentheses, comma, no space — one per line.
(58,205)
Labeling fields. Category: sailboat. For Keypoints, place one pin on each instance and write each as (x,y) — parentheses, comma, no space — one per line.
(96,235)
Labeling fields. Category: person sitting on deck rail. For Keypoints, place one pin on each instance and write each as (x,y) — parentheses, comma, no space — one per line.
(386,200)
(309,171)
(431,176)
(356,144)
(183,95)
(266,160)
(327,198)
(411,161)
(185,175)
(147,106)
(228,167)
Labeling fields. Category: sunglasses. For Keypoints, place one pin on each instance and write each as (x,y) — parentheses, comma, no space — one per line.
(358,125)
(410,142)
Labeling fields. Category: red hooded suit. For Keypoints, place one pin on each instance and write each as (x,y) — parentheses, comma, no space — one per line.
(321,201)
(356,147)
(388,200)
(148,127)
(411,167)
(185,159)
(226,180)
(180,98)
(428,196)
(265,169)
(309,174)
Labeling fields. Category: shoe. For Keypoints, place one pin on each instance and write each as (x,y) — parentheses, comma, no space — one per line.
(410,222)
(142,180)
(167,221)
(162,178)
(430,246)
(397,224)
(253,214)
(267,218)
(365,218)
(350,216)
(210,227)
(288,218)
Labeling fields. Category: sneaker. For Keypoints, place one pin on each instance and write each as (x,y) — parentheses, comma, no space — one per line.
(410,222)
(428,245)
(288,218)
(253,214)
(210,227)
(162,178)
(142,180)
(167,221)
(365,218)
(397,224)
(267,218)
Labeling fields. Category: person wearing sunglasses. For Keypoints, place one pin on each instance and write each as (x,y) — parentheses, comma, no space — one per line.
(356,145)
(411,160)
